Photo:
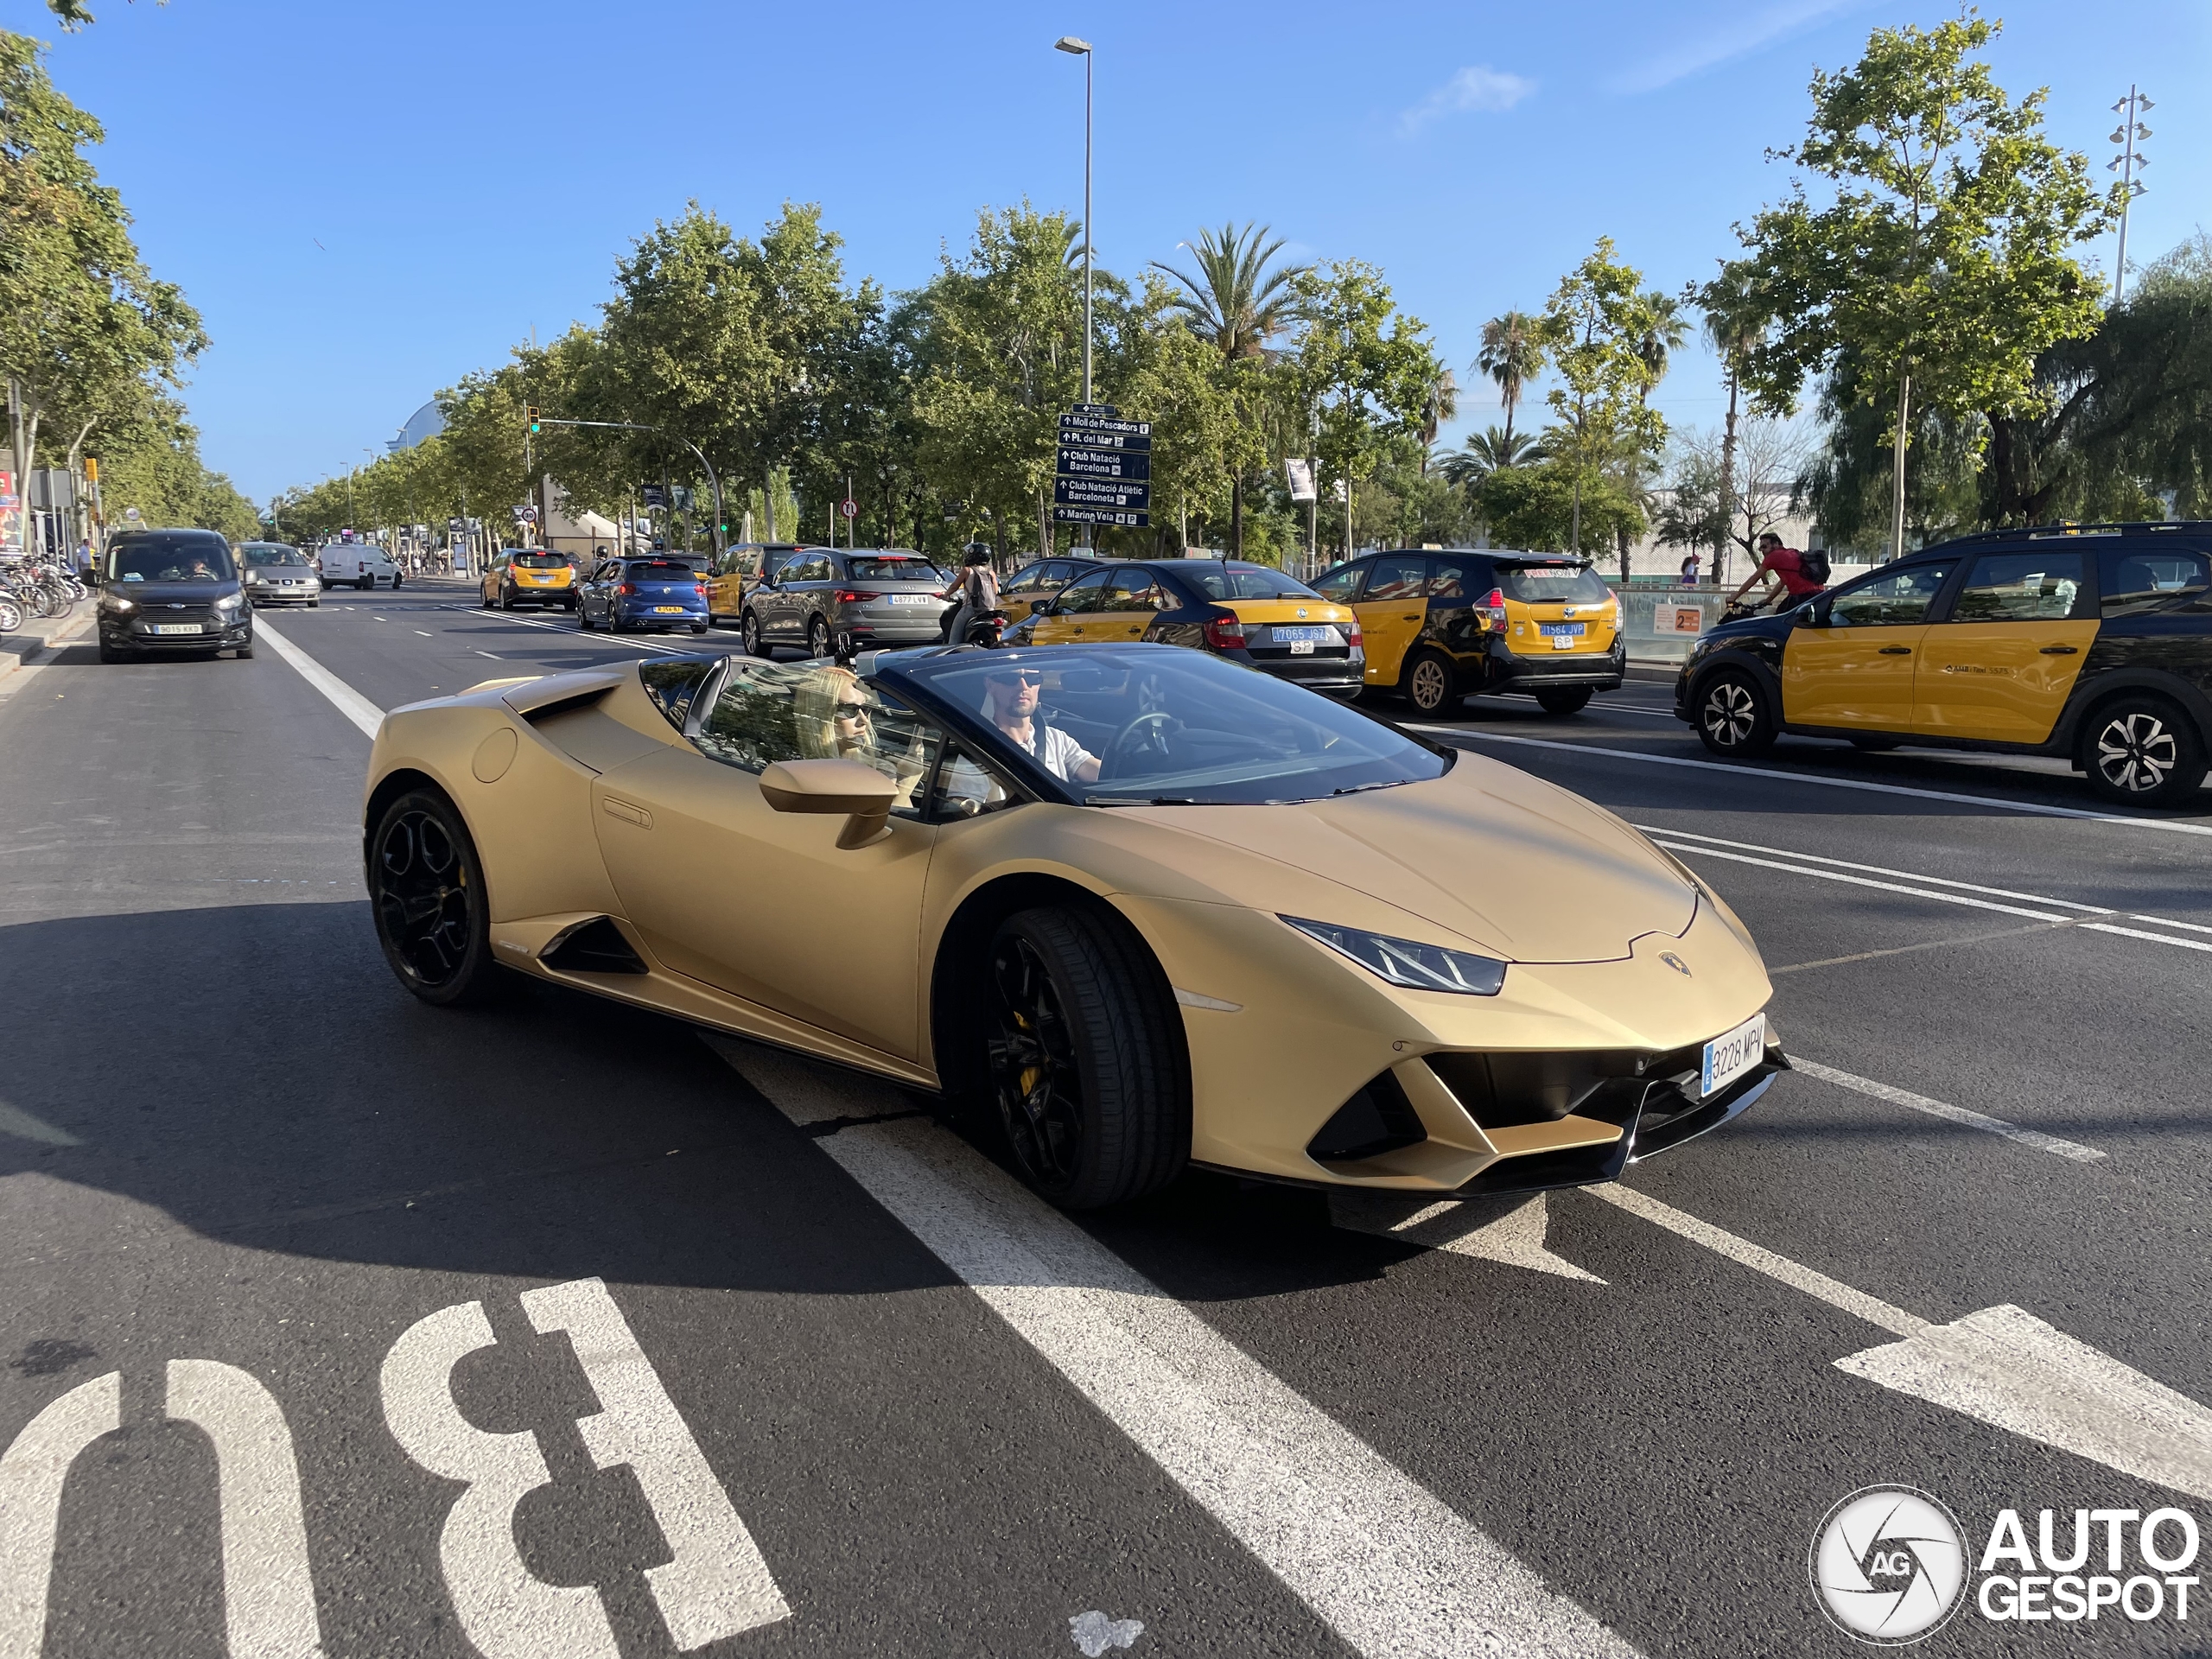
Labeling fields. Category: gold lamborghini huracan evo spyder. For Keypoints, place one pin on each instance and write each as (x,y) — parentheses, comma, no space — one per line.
(1138,905)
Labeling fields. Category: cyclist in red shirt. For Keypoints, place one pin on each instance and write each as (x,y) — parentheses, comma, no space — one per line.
(1787,566)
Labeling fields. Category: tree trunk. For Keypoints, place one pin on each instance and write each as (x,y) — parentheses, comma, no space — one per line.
(1727,487)
(1043,526)
(1898,450)
(1236,515)
(1510,399)
(1620,540)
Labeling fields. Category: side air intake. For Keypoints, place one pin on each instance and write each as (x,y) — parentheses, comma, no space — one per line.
(592,947)
(1377,1120)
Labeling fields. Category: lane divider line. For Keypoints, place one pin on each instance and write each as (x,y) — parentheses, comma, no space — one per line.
(587,639)
(1924,944)
(2137,933)
(1895,1097)
(1391,1568)
(1773,775)
(1868,882)
(348,702)
(1877,869)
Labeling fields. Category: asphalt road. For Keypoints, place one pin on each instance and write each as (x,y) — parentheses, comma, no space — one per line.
(896,1421)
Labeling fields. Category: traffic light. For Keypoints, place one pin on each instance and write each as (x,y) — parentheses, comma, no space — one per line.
(530,415)
(92,470)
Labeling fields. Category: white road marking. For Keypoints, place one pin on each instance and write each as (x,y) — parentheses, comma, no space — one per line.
(486,653)
(268,1585)
(1739,769)
(590,638)
(2035,1138)
(1511,1230)
(2137,933)
(505,1610)
(348,702)
(2004,1367)
(1389,1566)
(32,1473)
(426,633)
(24,1126)
(1877,869)
(1862,881)
(718,1585)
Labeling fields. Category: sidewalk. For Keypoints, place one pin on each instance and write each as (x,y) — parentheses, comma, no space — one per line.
(20,649)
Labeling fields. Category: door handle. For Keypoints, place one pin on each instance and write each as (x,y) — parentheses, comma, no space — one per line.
(1895,651)
(1415,617)
(2056,650)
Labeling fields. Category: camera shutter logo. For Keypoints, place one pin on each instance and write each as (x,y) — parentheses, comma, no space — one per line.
(1889,1565)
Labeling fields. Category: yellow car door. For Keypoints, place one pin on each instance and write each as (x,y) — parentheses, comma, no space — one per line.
(1391,608)
(1130,600)
(726,589)
(2001,665)
(1850,662)
(1030,587)
(1068,620)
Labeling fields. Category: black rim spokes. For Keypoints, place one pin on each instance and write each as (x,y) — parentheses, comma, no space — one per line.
(1032,1065)
(422,897)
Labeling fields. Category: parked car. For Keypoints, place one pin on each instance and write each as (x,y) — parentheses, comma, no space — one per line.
(365,565)
(1250,613)
(276,574)
(1445,624)
(528,576)
(741,569)
(164,592)
(2090,642)
(657,592)
(882,597)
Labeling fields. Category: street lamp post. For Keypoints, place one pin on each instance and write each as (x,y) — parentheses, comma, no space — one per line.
(2126,164)
(1082,48)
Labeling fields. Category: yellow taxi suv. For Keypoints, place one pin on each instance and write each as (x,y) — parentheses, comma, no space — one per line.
(1445,624)
(736,571)
(528,576)
(2089,642)
(1031,585)
(1250,613)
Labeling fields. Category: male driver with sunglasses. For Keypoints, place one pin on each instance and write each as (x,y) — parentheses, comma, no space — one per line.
(1011,695)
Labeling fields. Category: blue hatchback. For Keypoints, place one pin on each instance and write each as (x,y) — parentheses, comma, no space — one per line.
(655,593)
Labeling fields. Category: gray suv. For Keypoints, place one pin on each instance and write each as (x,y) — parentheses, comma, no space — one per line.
(885,596)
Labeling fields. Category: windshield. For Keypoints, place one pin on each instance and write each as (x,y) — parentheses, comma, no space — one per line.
(1137,726)
(540,560)
(892,571)
(170,558)
(1546,584)
(274,555)
(1242,581)
(663,570)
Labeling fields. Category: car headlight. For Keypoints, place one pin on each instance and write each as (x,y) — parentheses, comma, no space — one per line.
(1405,961)
(116,604)
(229,604)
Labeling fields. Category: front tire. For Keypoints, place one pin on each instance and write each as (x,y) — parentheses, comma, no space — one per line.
(426,888)
(1430,683)
(1733,717)
(1081,1060)
(1571,700)
(2142,752)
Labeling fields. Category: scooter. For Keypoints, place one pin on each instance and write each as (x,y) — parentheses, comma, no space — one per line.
(987,629)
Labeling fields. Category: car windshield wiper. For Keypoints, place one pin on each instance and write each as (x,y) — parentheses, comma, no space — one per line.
(1361,789)
(1141,800)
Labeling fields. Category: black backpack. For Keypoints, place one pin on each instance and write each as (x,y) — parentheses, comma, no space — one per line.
(1813,565)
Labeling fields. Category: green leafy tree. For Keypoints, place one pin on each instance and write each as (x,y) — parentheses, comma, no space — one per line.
(1366,369)
(1606,340)
(1558,507)
(1944,263)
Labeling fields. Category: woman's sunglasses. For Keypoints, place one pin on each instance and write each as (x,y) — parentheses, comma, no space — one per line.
(852,711)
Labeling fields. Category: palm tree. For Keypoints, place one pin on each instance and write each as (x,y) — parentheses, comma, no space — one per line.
(1733,329)
(1441,404)
(1239,302)
(1513,355)
(1665,332)
(1486,452)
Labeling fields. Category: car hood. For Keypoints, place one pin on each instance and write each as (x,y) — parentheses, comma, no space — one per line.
(171,593)
(1526,870)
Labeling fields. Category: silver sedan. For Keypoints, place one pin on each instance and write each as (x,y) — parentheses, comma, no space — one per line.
(277,575)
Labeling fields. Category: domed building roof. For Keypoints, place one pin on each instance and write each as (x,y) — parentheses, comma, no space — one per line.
(425,423)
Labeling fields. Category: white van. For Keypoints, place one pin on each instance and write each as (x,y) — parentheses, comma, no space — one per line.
(359,564)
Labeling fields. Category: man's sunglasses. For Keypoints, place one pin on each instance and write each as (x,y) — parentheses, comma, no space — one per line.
(1026,676)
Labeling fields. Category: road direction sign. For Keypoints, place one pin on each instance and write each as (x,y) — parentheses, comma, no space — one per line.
(1104,463)
(1105,429)
(1102,516)
(1101,492)
(849,507)
(1106,410)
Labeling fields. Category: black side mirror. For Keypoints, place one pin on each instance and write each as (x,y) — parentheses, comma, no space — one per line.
(1813,616)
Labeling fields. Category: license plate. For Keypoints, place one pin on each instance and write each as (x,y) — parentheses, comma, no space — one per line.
(1294,637)
(1728,1058)
(914,598)
(1570,630)
(174,627)
(1301,647)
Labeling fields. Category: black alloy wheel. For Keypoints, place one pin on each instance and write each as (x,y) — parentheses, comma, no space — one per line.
(2143,752)
(1081,1061)
(1732,716)
(583,620)
(748,635)
(1428,683)
(818,637)
(506,599)
(427,889)
(1564,700)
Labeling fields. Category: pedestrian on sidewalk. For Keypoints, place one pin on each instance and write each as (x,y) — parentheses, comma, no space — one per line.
(1690,568)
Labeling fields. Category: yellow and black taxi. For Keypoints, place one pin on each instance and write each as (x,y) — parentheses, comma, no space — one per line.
(1251,613)
(1442,623)
(2091,642)
(528,576)
(1031,585)
(736,571)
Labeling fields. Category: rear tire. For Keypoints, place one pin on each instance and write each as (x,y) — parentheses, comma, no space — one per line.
(2142,751)
(1430,683)
(1081,1059)
(748,635)
(426,889)
(583,620)
(367,584)
(818,637)
(1571,700)
(698,627)
(1732,716)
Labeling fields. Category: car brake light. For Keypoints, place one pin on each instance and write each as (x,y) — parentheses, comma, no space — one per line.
(702,587)
(1493,607)
(1358,640)
(855,596)
(629,588)
(1225,633)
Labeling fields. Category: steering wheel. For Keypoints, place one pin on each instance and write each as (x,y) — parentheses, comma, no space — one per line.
(1145,737)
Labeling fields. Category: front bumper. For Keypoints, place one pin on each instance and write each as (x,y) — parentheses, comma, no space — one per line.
(293,595)
(120,634)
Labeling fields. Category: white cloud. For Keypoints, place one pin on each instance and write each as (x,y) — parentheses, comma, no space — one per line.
(1473,88)
(1738,40)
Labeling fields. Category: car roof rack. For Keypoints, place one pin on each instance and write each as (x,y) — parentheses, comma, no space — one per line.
(2060,531)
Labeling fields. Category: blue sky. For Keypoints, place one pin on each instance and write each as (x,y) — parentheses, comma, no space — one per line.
(367,201)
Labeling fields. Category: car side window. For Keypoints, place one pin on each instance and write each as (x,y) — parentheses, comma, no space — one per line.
(2145,581)
(1341,584)
(967,788)
(1450,579)
(754,722)
(1085,594)
(1396,578)
(1026,582)
(2020,587)
(1898,598)
(1131,590)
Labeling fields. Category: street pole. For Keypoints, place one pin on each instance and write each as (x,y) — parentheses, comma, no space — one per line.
(1071,44)
(1897,488)
(2128,109)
